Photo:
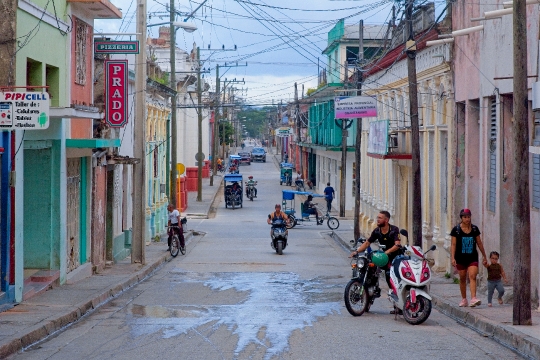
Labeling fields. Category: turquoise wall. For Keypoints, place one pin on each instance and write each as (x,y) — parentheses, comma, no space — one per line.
(42,205)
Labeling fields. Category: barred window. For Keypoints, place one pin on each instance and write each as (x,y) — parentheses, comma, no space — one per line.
(80,52)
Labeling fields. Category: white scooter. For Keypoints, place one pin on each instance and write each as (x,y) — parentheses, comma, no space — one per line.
(410,275)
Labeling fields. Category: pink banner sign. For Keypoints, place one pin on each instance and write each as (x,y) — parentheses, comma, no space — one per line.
(351,107)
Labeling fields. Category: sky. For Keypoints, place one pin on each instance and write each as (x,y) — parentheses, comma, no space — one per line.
(281,40)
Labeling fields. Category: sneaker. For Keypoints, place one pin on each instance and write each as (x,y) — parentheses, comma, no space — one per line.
(463,303)
(475,302)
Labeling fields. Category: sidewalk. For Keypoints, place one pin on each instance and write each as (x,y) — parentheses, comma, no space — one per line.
(494,322)
(45,314)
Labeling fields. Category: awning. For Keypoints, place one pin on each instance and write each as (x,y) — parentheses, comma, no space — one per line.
(92,143)
(72,113)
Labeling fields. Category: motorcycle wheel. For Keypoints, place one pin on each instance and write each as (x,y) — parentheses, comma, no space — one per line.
(332,223)
(279,248)
(292,222)
(233,203)
(417,314)
(356,298)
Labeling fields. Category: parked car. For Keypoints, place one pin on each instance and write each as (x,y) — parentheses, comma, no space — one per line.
(245,158)
(258,154)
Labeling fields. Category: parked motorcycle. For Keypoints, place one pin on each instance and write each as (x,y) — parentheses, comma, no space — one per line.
(279,236)
(410,275)
(250,191)
(363,288)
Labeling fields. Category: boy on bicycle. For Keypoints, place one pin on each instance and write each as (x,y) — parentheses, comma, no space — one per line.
(174,220)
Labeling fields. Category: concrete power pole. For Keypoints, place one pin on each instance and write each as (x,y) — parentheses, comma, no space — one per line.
(343,180)
(415,130)
(8,32)
(200,157)
(139,170)
(173,191)
(298,132)
(216,129)
(358,148)
(521,201)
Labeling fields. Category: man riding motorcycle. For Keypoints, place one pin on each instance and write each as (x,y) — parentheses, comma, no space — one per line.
(253,183)
(387,235)
(277,215)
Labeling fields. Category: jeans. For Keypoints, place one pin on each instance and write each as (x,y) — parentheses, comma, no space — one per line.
(328,205)
(180,232)
(492,285)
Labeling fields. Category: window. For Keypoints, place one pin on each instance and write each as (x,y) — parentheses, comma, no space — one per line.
(352,55)
(492,161)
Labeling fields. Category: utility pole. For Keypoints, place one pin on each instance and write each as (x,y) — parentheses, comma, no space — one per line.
(139,170)
(200,157)
(358,147)
(173,191)
(415,130)
(521,200)
(216,129)
(298,130)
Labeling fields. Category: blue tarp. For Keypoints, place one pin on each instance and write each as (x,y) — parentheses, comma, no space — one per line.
(233,177)
(287,165)
(289,194)
(235,157)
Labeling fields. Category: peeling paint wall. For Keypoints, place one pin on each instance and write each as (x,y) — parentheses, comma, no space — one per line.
(99,204)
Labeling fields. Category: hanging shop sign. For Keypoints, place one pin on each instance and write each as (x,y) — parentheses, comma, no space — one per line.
(116,47)
(352,107)
(378,137)
(24,110)
(283,132)
(116,90)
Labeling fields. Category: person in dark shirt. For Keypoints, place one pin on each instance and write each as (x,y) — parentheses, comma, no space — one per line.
(387,235)
(495,276)
(329,194)
(309,208)
(464,255)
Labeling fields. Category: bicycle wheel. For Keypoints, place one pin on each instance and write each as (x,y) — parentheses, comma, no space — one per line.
(333,223)
(175,245)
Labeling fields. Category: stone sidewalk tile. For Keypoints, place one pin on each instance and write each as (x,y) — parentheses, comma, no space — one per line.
(43,315)
(494,322)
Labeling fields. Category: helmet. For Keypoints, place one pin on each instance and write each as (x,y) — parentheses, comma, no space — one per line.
(250,177)
(379,258)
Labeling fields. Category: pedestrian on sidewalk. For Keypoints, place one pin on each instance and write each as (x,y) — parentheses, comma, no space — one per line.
(464,255)
(175,226)
(495,276)
(329,194)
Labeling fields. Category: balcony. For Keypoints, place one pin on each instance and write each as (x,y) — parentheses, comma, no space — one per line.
(98,9)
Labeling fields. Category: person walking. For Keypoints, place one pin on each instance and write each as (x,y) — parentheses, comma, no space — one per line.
(464,255)
(495,276)
(329,194)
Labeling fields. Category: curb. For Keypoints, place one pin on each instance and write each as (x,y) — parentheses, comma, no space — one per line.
(59,322)
(515,340)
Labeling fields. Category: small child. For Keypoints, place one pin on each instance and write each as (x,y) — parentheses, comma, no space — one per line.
(495,273)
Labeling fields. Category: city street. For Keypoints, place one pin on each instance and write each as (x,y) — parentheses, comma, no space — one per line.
(232,297)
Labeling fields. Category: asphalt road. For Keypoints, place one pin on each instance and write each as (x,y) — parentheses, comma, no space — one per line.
(232,297)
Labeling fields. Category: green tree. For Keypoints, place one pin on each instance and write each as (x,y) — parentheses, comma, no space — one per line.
(229,133)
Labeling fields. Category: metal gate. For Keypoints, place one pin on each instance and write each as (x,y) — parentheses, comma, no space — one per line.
(73,212)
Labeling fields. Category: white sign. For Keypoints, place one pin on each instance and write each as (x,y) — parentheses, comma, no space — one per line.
(378,137)
(352,107)
(24,110)
(284,132)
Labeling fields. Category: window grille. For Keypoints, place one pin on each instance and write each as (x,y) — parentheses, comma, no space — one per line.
(80,52)
(492,176)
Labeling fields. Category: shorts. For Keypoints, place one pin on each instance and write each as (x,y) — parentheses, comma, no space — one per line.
(465,267)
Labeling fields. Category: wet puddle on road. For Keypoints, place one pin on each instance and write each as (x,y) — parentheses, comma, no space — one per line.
(275,304)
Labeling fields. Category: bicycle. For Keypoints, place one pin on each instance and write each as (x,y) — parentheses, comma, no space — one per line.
(175,243)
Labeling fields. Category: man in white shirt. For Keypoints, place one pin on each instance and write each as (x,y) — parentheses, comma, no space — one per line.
(174,220)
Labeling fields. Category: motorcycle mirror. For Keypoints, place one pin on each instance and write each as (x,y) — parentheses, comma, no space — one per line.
(352,242)
(404,233)
(433,247)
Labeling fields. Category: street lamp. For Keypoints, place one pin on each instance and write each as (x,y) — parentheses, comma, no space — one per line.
(173,138)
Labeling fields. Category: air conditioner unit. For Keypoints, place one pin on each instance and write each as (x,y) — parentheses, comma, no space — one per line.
(536,96)
(392,141)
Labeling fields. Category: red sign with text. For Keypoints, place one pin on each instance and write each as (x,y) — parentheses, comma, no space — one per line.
(116,91)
